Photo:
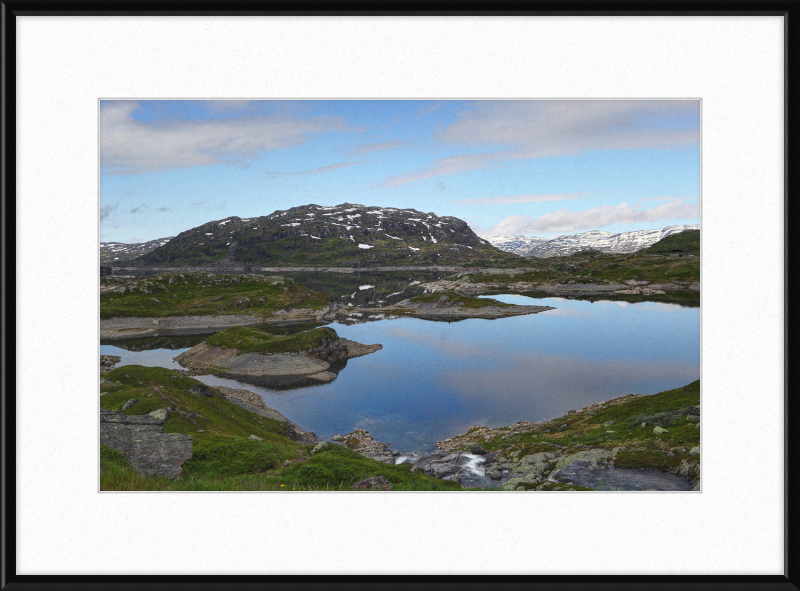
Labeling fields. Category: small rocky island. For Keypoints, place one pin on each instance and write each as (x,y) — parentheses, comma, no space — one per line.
(250,354)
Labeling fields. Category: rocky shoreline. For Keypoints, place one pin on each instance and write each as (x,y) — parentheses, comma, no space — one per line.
(545,466)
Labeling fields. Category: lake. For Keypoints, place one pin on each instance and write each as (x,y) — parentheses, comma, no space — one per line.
(433,380)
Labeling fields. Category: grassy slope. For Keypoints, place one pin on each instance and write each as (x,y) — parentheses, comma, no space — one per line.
(224,458)
(179,294)
(255,340)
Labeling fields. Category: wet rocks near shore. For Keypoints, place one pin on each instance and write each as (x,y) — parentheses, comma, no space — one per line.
(107,362)
(527,462)
(360,441)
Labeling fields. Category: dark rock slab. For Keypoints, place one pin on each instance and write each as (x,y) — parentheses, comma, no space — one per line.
(142,440)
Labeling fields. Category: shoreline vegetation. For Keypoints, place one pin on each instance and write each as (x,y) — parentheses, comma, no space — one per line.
(272,328)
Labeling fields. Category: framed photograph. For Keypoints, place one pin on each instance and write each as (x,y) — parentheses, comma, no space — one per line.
(437,298)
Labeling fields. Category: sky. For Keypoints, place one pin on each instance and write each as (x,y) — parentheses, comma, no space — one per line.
(527,167)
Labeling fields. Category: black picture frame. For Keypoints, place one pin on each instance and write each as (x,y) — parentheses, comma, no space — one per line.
(789,9)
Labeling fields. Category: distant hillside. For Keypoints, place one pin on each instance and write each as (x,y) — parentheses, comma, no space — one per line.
(118,252)
(346,235)
(688,241)
(623,242)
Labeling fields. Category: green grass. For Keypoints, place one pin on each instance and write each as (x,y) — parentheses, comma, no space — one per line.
(197,293)
(338,466)
(251,340)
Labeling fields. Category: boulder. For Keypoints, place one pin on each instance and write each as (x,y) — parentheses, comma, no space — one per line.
(695,451)
(129,404)
(321,446)
(256,437)
(476,449)
(202,390)
(160,415)
(659,430)
(372,483)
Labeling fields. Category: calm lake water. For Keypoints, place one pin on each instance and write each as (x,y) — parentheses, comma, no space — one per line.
(433,380)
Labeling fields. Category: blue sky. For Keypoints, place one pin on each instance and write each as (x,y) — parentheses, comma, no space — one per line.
(540,168)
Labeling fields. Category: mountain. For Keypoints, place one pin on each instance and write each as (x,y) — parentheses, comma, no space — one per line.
(346,235)
(516,244)
(117,252)
(624,242)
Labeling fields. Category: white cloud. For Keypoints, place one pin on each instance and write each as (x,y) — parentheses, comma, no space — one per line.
(450,165)
(131,146)
(537,129)
(564,220)
(514,199)
(319,170)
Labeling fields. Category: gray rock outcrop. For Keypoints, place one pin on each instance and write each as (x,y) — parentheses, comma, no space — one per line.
(142,440)
(360,441)
(285,369)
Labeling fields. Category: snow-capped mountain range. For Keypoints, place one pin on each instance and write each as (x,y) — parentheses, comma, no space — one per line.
(623,242)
